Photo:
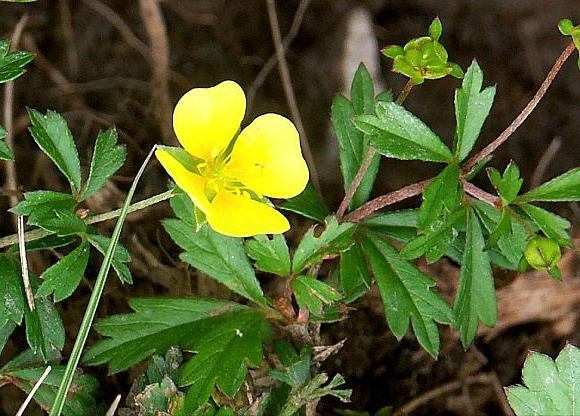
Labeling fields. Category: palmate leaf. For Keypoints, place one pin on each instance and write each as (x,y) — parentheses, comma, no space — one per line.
(507,185)
(156,324)
(271,255)
(121,256)
(12,300)
(309,204)
(355,278)
(353,144)
(224,347)
(53,136)
(24,370)
(472,107)
(399,225)
(441,194)
(475,298)
(552,225)
(335,238)
(12,63)
(565,187)
(407,294)
(397,133)
(108,157)
(550,387)
(221,257)
(312,294)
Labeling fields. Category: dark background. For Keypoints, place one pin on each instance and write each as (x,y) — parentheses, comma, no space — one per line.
(95,67)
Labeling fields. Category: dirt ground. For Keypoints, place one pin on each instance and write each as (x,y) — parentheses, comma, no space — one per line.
(103,62)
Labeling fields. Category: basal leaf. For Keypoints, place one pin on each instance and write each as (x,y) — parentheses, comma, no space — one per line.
(224,347)
(355,278)
(335,238)
(219,256)
(565,187)
(63,277)
(108,157)
(552,225)
(309,204)
(475,298)
(397,133)
(121,256)
(12,63)
(440,195)
(550,387)
(407,294)
(271,255)
(472,106)
(53,136)
(156,324)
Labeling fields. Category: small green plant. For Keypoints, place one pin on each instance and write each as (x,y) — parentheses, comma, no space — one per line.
(261,354)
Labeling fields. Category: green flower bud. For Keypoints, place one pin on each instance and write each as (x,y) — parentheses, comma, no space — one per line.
(542,253)
(566,27)
(435,29)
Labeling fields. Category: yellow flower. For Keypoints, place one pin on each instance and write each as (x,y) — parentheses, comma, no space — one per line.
(233,174)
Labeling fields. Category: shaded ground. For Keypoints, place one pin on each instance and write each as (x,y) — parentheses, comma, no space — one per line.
(98,74)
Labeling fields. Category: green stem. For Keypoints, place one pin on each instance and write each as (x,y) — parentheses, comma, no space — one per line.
(91,310)
(137,206)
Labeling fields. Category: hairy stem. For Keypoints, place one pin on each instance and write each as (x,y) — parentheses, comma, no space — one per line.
(366,163)
(137,206)
(518,121)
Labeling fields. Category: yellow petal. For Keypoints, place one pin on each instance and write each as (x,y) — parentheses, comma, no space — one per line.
(205,120)
(240,216)
(192,184)
(267,158)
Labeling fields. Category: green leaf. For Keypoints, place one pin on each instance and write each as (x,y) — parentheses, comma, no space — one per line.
(182,206)
(353,148)
(512,245)
(475,298)
(108,157)
(550,388)
(507,185)
(503,228)
(12,300)
(271,255)
(218,256)
(565,187)
(435,243)
(407,294)
(25,370)
(472,106)
(59,221)
(552,225)
(225,346)
(44,328)
(441,194)
(121,257)
(334,239)
(5,331)
(5,152)
(63,277)
(397,133)
(313,294)
(156,324)
(53,136)
(435,29)
(41,201)
(12,63)
(355,279)
(362,91)
(398,225)
(309,204)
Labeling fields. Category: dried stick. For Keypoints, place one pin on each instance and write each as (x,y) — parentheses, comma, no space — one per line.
(289,91)
(545,161)
(159,59)
(113,408)
(366,163)
(10,165)
(490,148)
(33,391)
(271,63)
(24,264)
